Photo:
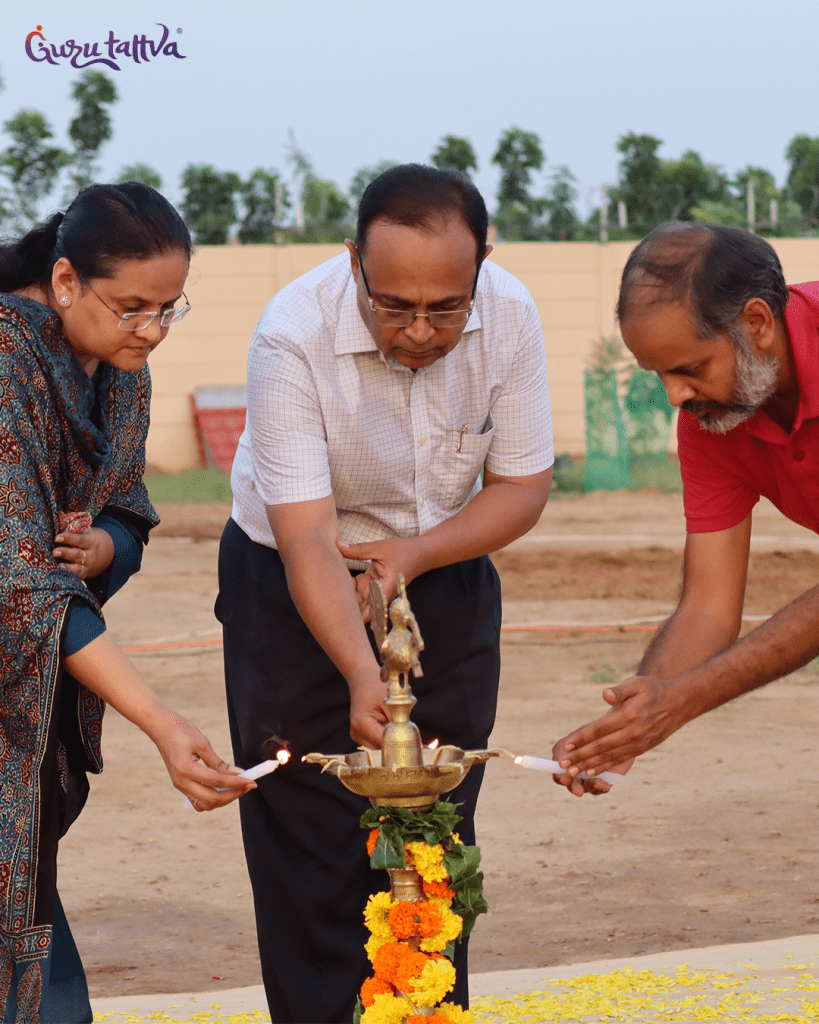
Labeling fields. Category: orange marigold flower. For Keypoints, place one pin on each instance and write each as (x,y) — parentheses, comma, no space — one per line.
(436,1018)
(373,987)
(398,964)
(439,889)
(372,839)
(409,918)
(403,919)
(429,919)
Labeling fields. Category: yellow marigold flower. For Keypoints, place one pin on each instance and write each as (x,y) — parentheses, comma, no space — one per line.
(455,838)
(451,925)
(387,1010)
(373,945)
(456,1014)
(429,861)
(377,914)
(436,979)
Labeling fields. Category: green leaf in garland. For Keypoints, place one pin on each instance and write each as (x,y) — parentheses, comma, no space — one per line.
(449,951)
(389,849)
(358,1011)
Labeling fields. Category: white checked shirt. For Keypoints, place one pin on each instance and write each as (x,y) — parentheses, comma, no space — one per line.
(399,451)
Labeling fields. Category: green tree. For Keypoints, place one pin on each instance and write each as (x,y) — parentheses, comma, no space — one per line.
(209,202)
(30,166)
(562,222)
(323,207)
(93,93)
(803,175)
(142,173)
(687,181)
(639,183)
(264,199)
(455,153)
(362,178)
(518,154)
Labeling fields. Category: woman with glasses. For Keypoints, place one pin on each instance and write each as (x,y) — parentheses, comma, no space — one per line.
(84,299)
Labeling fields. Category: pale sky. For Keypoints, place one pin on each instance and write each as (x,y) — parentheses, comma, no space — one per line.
(365,80)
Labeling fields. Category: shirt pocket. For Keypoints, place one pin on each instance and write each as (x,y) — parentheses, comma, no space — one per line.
(463,459)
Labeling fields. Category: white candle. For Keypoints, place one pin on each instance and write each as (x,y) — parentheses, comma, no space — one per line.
(256,772)
(542,764)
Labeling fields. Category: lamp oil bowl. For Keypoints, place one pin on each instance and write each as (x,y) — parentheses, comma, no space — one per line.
(411,786)
(403,773)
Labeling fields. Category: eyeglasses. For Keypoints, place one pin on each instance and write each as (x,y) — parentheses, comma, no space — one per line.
(439,319)
(140,321)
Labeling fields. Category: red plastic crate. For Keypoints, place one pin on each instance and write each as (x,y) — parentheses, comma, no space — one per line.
(218,427)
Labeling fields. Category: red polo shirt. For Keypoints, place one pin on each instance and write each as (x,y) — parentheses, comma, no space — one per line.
(725,474)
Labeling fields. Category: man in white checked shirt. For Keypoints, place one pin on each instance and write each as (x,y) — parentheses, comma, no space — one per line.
(380,386)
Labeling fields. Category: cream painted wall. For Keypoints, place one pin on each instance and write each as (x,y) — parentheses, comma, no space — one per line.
(574,285)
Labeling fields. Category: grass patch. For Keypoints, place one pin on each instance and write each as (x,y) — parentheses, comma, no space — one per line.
(194,486)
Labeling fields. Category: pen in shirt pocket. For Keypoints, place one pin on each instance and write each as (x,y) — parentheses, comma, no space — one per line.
(461,439)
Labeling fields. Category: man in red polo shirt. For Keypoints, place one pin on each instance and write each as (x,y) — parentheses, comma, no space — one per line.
(708,309)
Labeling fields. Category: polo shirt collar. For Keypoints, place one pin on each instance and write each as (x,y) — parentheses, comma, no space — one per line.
(352,335)
(802,324)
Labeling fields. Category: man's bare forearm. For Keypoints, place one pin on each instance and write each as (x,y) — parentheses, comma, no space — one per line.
(686,639)
(321,588)
(779,646)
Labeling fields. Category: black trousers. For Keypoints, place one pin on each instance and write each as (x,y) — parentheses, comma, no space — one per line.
(306,853)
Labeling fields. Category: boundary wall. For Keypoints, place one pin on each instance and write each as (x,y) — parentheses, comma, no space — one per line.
(574,285)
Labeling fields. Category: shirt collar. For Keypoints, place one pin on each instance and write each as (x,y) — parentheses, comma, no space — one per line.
(351,332)
(802,325)
(802,322)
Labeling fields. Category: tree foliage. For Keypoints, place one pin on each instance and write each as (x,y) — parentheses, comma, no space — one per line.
(142,173)
(93,92)
(264,200)
(209,202)
(562,222)
(362,178)
(803,175)
(30,166)
(519,153)
(455,153)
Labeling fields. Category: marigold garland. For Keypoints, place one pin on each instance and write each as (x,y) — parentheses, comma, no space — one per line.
(450,929)
(427,860)
(399,965)
(387,1009)
(373,987)
(439,889)
(436,979)
(407,918)
(406,979)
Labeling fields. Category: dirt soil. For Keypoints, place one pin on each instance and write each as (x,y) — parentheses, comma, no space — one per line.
(701,845)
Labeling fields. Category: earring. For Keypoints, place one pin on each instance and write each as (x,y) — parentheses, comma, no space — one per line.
(64,300)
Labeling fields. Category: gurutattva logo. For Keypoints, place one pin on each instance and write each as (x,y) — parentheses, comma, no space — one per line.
(139,49)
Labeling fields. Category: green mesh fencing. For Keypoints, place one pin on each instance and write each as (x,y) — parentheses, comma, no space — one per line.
(607,455)
(647,417)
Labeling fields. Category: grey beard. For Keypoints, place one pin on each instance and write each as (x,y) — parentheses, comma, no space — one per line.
(755,382)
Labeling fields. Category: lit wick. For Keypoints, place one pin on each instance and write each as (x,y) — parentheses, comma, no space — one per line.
(542,764)
(256,772)
(433,744)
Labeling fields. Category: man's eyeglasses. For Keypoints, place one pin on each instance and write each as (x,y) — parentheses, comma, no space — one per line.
(140,321)
(439,319)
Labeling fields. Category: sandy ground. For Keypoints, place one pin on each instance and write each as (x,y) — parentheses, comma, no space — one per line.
(702,845)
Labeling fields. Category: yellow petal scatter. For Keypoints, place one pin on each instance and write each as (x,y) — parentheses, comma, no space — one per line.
(686,996)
